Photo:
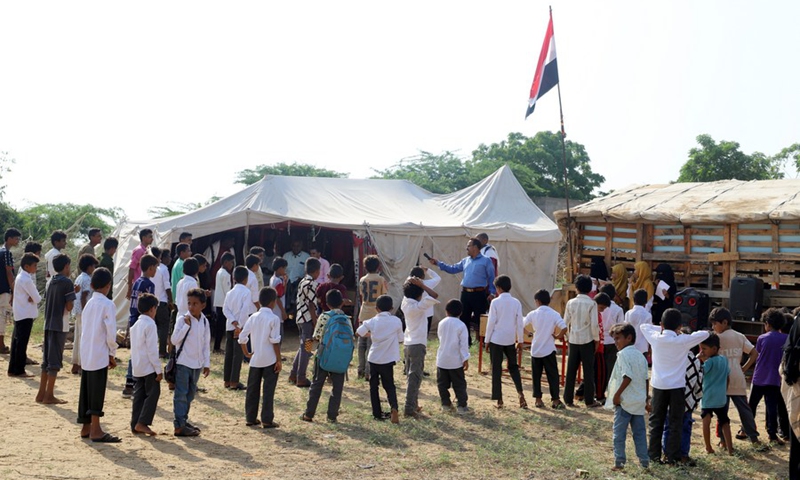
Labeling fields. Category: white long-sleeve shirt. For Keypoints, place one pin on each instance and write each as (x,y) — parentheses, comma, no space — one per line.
(543,321)
(162,283)
(144,347)
(416,320)
(196,352)
(453,344)
(24,291)
(431,283)
(263,328)
(638,316)
(181,294)
(98,332)
(670,355)
(222,285)
(252,285)
(238,307)
(581,318)
(504,326)
(386,332)
(611,316)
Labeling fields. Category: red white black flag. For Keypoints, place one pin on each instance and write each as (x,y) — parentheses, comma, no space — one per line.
(546,70)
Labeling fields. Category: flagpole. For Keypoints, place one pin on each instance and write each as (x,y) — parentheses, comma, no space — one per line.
(570,271)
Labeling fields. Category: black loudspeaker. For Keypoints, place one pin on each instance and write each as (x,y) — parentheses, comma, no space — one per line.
(693,306)
(747,298)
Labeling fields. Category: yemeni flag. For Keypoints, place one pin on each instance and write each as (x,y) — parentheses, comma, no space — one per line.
(546,70)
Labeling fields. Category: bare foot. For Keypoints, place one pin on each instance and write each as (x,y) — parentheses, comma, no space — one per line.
(709,450)
(53,401)
(144,429)
(38,399)
(85,430)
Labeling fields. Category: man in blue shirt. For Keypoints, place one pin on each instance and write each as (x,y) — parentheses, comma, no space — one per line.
(478,278)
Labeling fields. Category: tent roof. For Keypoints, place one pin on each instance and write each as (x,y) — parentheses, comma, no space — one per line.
(497,204)
(726,201)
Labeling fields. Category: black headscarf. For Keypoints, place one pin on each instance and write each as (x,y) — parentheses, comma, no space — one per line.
(598,269)
(791,354)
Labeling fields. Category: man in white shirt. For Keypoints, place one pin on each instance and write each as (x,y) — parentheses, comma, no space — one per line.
(146,365)
(59,240)
(296,259)
(163,292)
(237,307)
(452,358)
(638,316)
(583,331)
(670,359)
(386,332)
(415,340)
(263,330)
(26,309)
(547,326)
(611,316)
(504,335)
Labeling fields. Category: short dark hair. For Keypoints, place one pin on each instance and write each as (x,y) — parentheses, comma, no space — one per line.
(712,340)
(267,295)
(148,261)
(87,260)
(583,283)
(156,252)
(33,247)
(602,299)
(312,265)
(227,257)
(418,272)
(278,263)
(336,271)
(640,297)
(94,231)
(60,262)
(503,282)
(482,236)
(475,242)
(371,263)
(609,290)
(412,291)
(101,277)
(454,308)
(671,319)
(147,302)
(241,274)
(12,233)
(251,260)
(144,232)
(191,267)
(774,317)
(384,303)
(542,296)
(334,298)
(182,247)
(720,315)
(197,293)
(28,259)
(109,243)
(184,235)
(624,329)
(57,236)
(256,250)
(201,260)
(164,253)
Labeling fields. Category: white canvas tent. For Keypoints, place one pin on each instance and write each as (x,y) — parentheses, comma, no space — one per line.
(402,220)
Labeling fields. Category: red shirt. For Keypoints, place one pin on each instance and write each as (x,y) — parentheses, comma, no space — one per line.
(324,289)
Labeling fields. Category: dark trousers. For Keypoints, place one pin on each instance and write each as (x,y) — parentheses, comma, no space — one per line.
(19,346)
(146,393)
(381,374)
(267,393)
(233,359)
(496,353)
(550,366)
(474,304)
(92,394)
(770,394)
(315,392)
(580,355)
(218,332)
(162,327)
(665,401)
(609,359)
(794,457)
(783,417)
(446,378)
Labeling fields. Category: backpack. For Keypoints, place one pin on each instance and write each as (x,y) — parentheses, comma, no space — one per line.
(336,346)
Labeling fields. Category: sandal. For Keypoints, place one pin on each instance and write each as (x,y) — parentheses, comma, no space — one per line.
(539,403)
(559,405)
(499,405)
(186,431)
(270,425)
(522,403)
(107,438)
(256,423)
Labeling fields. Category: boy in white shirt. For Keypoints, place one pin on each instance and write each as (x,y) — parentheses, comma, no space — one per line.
(253,264)
(638,316)
(583,331)
(192,337)
(504,335)
(98,347)
(190,268)
(163,293)
(452,358)
(386,332)
(87,263)
(25,312)
(415,340)
(146,365)
(263,329)
(223,283)
(237,308)
(611,316)
(547,326)
(59,240)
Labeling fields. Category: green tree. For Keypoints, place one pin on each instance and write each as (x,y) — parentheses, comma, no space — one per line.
(443,173)
(253,175)
(39,221)
(714,161)
(538,164)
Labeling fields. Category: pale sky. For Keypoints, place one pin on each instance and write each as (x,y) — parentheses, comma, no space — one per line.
(136,104)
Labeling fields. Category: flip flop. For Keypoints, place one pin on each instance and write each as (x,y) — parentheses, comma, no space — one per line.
(30,361)
(539,404)
(107,438)
(269,425)
(238,387)
(256,423)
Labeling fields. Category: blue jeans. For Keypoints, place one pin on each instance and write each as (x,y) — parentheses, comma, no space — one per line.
(185,387)
(639,432)
(686,434)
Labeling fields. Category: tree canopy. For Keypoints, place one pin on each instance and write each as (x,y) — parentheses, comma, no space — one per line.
(443,173)
(253,175)
(40,220)
(713,161)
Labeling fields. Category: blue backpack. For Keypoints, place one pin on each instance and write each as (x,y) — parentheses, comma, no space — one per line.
(336,346)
